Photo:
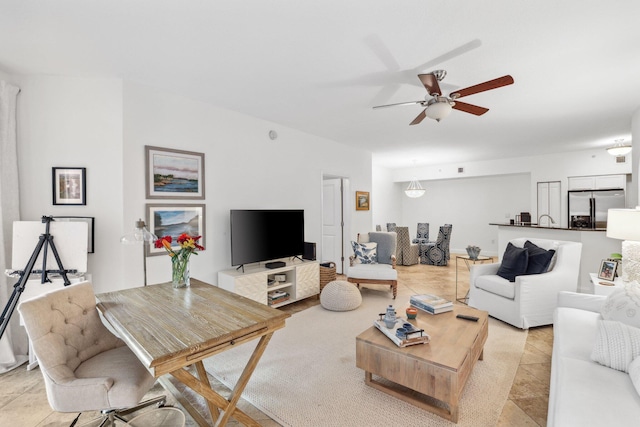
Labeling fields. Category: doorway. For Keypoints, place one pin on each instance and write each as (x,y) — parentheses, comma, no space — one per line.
(334,190)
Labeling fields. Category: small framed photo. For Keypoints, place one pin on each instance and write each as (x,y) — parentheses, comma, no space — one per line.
(69,186)
(90,224)
(362,200)
(173,220)
(174,174)
(607,270)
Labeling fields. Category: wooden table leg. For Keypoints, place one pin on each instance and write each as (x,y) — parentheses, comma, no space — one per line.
(244,379)
(201,386)
(202,375)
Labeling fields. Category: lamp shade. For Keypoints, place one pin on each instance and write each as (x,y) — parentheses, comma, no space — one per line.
(139,235)
(624,224)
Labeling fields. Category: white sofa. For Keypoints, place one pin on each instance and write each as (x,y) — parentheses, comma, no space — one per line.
(530,300)
(583,392)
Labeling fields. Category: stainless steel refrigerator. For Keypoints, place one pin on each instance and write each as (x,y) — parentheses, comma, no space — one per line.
(589,208)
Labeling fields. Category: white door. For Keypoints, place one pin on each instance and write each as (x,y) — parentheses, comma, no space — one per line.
(332,225)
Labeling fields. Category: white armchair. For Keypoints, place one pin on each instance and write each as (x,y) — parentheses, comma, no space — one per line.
(531,299)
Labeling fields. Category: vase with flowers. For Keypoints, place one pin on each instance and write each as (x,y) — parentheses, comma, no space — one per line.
(180,257)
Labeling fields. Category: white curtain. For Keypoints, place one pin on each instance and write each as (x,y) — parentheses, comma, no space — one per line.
(13,345)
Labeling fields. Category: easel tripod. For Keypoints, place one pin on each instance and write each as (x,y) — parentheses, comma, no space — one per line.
(44,242)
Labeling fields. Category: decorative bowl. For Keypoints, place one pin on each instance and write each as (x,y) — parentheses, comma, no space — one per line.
(412,313)
(473,252)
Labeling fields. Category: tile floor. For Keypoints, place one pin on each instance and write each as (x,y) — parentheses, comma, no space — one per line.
(23,401)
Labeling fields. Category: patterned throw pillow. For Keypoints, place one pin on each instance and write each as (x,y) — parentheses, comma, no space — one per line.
(623,305)
(616,345)
(366,253)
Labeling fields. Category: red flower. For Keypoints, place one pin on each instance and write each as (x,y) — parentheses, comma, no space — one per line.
(158,243)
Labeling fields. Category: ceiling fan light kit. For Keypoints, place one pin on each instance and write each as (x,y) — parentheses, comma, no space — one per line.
(439,109)
(438,106)
(414,190)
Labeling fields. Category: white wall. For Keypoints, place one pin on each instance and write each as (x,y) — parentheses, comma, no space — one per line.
(487,191)
(72,122)
(103,125)
(469,204)
(634,197)
(244,170)
(550,167)
(386,199)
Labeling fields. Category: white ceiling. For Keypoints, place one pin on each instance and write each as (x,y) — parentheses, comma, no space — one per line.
(319,66)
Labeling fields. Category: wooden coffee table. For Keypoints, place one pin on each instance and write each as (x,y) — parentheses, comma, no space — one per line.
(439,369)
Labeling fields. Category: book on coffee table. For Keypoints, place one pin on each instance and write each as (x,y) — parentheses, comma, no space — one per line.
(418,337)
(432,304)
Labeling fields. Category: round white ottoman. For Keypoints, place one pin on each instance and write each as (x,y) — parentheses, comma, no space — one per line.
(340,296)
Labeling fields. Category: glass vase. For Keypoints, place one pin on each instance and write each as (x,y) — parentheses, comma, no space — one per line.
(179,272)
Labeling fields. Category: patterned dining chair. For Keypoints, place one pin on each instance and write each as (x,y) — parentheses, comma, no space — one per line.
(437,253)
(422,233)
(409,253)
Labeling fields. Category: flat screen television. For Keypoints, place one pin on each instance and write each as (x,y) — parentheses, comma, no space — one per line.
(263,235)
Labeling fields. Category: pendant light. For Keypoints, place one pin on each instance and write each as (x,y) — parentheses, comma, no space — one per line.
(414,190)
(619,148)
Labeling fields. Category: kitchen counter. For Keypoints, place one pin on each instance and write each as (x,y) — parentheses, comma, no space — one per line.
(547,227)
(595,246)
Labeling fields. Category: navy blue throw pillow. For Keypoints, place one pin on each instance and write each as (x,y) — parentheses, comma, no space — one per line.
(514,262)
(539,259)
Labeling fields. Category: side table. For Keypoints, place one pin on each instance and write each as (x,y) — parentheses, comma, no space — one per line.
(468,261)
(605,287)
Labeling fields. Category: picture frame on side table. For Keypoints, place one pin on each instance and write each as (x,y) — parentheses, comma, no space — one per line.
(174,174)
(173,220)
(69,186)
(90,224)
(607,270)
(362,200)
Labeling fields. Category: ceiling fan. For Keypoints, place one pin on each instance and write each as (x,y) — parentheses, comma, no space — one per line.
(437,106)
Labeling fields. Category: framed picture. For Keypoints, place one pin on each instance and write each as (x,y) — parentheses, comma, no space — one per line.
(174,174)
(362,200)
(173,220)
(69,186)
(90,224)
(607,270)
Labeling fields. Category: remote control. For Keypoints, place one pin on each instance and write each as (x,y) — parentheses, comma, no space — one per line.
(465,317)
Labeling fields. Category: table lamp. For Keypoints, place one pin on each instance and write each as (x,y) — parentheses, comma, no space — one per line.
(140,236)
(625,224)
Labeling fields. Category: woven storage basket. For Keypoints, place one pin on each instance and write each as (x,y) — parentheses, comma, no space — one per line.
(327,274)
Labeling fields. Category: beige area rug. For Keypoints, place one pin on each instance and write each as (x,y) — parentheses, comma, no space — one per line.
(308,376)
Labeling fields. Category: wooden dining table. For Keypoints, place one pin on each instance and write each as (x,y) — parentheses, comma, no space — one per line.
(170,329)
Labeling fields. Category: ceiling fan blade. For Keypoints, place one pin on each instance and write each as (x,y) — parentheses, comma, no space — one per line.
(469,108)
(473,44)
(398,104)
(430,82)
(491,84)
(420,117)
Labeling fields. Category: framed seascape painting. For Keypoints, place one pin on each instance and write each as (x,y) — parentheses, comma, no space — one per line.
(69,186)
(173,220)
(362,200)
(89,220)
(174,174)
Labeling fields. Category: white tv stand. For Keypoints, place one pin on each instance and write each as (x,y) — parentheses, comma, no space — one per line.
(302,281)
